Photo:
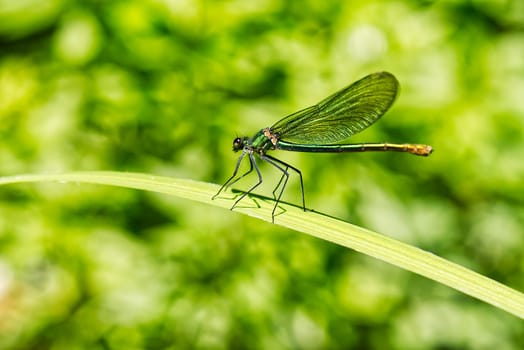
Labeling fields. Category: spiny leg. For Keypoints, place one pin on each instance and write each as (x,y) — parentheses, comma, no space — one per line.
(275,162)
(253,165)
(279,182)
(228,182)
(240,177)
(297,171)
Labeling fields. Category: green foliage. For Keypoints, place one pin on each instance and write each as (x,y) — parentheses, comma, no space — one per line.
(162,87)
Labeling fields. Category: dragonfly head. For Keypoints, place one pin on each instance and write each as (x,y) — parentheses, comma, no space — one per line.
(239,143)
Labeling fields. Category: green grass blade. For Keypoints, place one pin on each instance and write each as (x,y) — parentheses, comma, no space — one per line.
(315,224)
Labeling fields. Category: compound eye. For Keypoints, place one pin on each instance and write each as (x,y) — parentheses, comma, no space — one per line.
(237,144)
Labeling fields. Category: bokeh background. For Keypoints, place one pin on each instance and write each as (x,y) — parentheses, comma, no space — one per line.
(163,87)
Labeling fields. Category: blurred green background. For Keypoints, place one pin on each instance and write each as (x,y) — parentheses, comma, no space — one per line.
(163,87)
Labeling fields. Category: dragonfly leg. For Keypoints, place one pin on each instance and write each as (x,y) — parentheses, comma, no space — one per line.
(230,181)
(289,166)
(279,165)
(254,165)
(241,176)
(279,183)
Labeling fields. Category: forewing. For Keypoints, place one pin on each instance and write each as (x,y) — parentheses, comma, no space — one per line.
(342,114)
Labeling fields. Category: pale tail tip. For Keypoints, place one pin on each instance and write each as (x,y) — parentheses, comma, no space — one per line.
(422,150)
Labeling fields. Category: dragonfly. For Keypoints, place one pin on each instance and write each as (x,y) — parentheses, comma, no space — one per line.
(319,129)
